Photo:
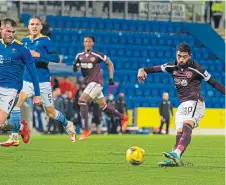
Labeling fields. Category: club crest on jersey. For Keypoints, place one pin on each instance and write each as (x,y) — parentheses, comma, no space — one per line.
(92,59)
(13,50)
(188,74)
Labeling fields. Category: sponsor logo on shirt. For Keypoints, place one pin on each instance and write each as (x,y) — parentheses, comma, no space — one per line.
(86,65)
(181,82)
(4,59)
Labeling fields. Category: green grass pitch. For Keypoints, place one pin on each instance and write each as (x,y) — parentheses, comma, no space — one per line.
(53,160)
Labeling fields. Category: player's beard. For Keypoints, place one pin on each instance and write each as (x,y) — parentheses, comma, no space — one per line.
(182,65)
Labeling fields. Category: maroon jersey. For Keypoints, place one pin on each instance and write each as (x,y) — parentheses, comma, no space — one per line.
(187,79)
(90,66)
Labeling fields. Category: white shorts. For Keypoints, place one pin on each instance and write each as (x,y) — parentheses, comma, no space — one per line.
(190,110)
(7,99)
(94,90)
(45,92)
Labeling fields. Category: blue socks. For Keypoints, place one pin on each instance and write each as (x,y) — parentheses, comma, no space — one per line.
(15,118)
(61,118)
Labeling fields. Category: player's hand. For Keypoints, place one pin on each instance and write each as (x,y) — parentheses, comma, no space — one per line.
(34,54)
(37,100)
(142,75)
(111,81)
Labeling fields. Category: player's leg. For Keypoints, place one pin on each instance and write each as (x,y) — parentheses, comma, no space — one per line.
(193,112)
(20,127)
(178,136)
(8,97)
(13,140)
(179,126)
(182,144)
(3,117)
(83,101)
(15,116)
(109,109)
(57,115)
(190,122)
(47,100)
(24,95)
(23,130)
(90,92)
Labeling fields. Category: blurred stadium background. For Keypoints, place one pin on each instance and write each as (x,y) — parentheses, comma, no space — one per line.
(133,34)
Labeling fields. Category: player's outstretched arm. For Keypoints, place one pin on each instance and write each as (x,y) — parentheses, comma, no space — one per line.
(216,85)
(143,72)
(209,79)
(111,71)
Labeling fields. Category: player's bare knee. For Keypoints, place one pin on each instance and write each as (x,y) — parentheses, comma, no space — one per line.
(103,106)
(189,123)
(82,101)
(22,98)
(2,123)
(179,130)
(102,103)
(3,118)
(50,112)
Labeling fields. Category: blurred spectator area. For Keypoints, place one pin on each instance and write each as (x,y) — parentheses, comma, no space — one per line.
(194,11)
(68,85)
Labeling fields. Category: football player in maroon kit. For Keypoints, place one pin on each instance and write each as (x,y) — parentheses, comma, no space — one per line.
(187,76)
(89,63)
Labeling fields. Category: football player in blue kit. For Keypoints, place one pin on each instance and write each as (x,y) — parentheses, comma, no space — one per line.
(13,59)
(43,51)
